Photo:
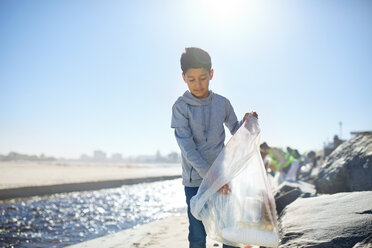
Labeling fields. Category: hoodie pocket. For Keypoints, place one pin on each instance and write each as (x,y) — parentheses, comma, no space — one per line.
(194,175)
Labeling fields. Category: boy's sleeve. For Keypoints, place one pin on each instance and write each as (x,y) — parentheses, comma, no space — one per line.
(186,142)
(231,121)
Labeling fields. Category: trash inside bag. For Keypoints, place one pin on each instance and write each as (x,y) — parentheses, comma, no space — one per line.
(246,215)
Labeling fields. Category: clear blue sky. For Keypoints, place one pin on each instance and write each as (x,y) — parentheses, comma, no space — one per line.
(76,76)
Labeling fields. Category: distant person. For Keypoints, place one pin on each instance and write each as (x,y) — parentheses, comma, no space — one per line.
(198,117)
(336,141)
(295,153)
(312,158)
(283,165)
(309,163)
(264,151)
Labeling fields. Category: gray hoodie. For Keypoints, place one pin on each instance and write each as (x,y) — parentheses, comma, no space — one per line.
(199,131)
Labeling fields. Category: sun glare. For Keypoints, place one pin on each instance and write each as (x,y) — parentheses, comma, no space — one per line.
(232,19)
(223,10)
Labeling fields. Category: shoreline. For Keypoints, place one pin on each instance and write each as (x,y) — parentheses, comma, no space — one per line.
(26,179)
(22,192)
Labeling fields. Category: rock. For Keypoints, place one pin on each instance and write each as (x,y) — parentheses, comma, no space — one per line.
(338,220)
(287,192)
(348,168)
(366,243)
(287,198)
(287,186)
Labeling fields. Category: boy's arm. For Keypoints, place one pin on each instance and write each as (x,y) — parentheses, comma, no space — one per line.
(185,140)
(231,121)
(188,148)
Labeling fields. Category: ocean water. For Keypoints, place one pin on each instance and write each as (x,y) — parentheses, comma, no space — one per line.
(65,219)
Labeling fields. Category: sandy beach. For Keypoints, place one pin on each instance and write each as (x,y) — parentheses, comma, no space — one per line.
(24,174)
(24,179)
(166,233)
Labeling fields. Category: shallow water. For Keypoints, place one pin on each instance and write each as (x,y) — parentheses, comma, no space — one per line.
(65,219)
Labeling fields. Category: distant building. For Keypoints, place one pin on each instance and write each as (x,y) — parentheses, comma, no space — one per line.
(174,157)
(158,156)
(337,141)
(14,156)
(85,157)
(330,147)
(99,155)
(117,157)
(356,133)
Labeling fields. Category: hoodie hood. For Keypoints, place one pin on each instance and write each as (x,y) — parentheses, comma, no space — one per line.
(192,100)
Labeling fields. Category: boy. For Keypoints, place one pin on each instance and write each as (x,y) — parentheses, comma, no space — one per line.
(197,118)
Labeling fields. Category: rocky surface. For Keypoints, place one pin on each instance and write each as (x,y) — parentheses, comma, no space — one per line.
(285,199)
(348,168)
(287,192)
(366,243)
(337,220)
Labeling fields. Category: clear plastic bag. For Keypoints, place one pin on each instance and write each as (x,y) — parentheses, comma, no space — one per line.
(247,215)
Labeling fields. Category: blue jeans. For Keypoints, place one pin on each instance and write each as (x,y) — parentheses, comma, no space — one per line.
(197,236)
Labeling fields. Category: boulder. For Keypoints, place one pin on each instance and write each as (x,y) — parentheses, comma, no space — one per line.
(338,220)
(366,243)
(287,198)
(348,168)
(306,188)
(287,192)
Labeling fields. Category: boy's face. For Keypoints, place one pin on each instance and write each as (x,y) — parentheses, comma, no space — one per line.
(197,80)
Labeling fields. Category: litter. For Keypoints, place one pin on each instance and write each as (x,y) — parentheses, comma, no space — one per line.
(246,215)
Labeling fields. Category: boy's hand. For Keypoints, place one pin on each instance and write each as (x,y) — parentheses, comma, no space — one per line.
(247,114)
(225,190)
